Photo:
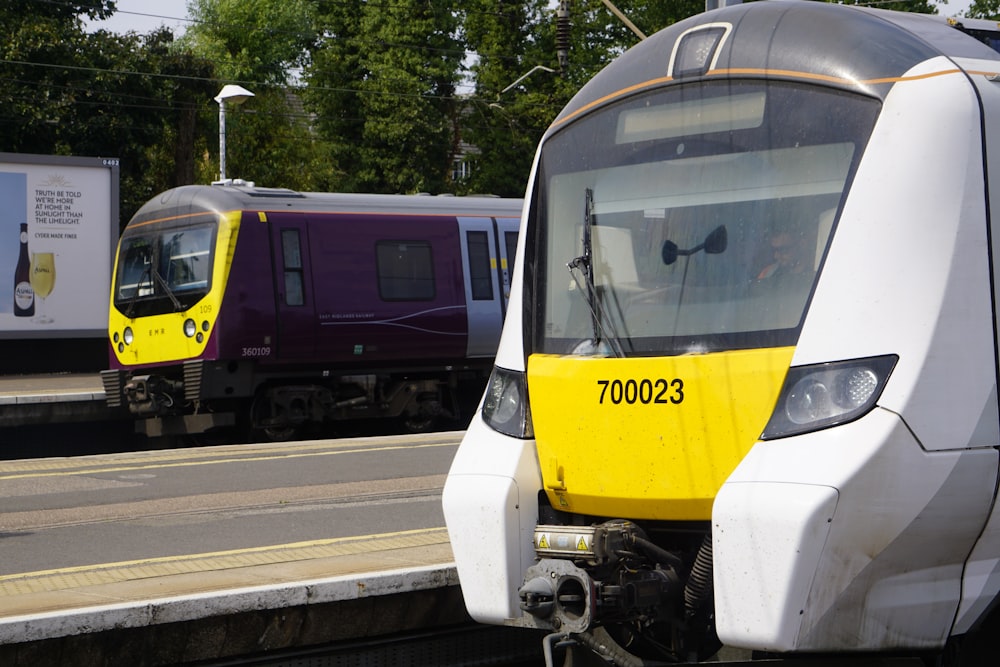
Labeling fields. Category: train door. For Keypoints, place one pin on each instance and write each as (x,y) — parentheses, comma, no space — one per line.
(507,229)
(293,289)
(487,283)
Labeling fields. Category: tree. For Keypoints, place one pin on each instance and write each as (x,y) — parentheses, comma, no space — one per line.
(508,115)
(504,120)
(69,92)
(251,40)
(185,85)
(382,84)
(984,9)
(258,43)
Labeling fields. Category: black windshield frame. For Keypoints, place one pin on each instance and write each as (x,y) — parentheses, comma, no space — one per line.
(164,268)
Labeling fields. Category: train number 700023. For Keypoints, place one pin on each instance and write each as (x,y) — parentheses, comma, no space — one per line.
(642,391)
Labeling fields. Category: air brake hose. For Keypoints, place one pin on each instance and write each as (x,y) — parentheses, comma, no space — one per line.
(657,553)
(612,651)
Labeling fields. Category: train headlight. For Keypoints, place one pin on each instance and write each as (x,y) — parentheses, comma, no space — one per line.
(128,336)
(505,407)
(190,328)
(815,397)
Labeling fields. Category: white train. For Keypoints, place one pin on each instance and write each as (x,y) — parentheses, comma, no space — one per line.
(746,392)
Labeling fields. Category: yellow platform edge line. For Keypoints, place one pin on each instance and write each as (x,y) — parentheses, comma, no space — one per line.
(238,557)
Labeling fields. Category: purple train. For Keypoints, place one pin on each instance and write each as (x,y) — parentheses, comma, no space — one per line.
(273,310)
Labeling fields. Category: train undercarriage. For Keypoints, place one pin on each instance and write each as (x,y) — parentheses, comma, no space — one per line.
(641,594)
(202,397)
(626,592)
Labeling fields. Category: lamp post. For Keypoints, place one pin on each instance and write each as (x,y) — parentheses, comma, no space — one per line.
(234,95)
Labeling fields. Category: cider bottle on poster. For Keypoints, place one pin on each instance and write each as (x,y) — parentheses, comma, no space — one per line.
(24,296)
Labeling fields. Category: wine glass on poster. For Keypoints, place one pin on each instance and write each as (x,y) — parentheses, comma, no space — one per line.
(43,281)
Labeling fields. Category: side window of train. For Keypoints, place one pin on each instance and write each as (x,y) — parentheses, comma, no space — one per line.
(405,270)
(480,276)
(291,254)
(510,240)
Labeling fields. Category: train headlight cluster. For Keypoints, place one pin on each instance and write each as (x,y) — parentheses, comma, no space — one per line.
(505,407)
(191,330)
(815,397)
(126,338)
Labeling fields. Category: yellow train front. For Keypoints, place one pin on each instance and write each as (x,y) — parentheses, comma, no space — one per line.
(746,389)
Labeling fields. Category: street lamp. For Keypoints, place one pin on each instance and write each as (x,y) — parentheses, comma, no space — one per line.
(234,95)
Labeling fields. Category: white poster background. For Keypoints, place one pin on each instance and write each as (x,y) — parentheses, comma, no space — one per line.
(69,211)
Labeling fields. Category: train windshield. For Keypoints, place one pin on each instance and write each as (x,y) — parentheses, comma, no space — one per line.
(690,219)
(163,271)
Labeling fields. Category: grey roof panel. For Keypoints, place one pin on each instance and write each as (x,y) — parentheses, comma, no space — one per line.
(855,48)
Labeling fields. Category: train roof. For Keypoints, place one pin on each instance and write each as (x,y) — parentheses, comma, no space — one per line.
(238,197)
(861,49)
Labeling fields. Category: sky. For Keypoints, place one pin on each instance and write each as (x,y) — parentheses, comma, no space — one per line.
(143,16)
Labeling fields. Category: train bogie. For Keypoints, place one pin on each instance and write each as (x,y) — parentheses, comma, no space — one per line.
(747,391)
(289,309)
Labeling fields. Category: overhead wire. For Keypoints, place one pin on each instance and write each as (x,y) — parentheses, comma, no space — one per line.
(130,100)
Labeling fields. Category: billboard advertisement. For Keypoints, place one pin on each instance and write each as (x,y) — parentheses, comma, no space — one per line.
(58,228)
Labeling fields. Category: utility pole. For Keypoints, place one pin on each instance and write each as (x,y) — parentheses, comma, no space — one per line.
(562,35)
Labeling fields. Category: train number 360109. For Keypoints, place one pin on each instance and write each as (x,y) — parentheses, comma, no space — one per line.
(643,391)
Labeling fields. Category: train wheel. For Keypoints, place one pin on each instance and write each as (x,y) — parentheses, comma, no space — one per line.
(281,434)
(267,423)
(419,423)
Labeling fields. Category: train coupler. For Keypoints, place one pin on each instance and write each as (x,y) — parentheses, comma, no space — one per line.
(151,394)
(587,575)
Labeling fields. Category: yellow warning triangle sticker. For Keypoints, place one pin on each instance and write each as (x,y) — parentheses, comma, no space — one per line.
(582,545)
(543,542)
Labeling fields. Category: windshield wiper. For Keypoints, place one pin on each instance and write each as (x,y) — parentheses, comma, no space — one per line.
(585,262)
(150,272)
(166,288)
(130,309)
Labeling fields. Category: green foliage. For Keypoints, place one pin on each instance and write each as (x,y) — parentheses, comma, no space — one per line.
(912,6)
(506,117)
(251,40)
(257,43)
(984,9)
(68,92)
(501,124)
(331,93)
(382,84)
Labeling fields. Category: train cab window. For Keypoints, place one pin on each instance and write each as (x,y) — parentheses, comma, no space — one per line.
(405,270)
(480,275)
(291,254)
(135,269)
(672,209)
(163,269)
(185,260)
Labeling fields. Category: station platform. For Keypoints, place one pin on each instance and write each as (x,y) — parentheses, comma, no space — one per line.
(54,398)
(176,611)
(204,555)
